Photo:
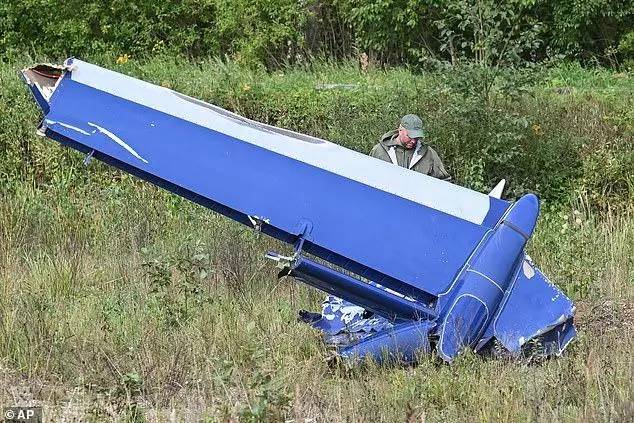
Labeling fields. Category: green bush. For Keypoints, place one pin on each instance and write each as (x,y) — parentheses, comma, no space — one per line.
(261,30)
(275,32)
(588,28)
(80,27)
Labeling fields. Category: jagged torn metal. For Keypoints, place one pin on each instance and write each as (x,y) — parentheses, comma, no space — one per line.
(458,279)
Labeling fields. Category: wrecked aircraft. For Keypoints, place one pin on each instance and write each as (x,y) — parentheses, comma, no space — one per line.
(459,279)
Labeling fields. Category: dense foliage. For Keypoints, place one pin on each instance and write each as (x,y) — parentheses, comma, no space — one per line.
(279,31)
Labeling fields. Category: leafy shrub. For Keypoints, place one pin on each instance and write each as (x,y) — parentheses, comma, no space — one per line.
(176,283)
(587,28)
(626,48)
(80,27)
(257,30)
(274,32)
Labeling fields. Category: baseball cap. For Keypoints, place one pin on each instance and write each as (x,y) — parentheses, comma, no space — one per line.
(413,125)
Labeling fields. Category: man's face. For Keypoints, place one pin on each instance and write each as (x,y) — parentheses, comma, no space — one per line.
(404,139)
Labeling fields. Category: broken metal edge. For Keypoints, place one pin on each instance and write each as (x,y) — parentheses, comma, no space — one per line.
(45,78)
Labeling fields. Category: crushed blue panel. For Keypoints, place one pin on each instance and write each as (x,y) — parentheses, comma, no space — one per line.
(344,323)
(403,342)
(458,279)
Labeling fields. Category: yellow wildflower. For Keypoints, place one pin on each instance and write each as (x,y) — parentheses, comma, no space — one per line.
(123,59)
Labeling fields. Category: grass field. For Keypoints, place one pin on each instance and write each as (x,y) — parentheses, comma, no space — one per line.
(123,302)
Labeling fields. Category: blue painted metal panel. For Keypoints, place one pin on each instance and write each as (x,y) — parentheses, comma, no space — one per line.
(533,309)
(472,303)
(348,218)
(401,343)
(377,300)
(39,99)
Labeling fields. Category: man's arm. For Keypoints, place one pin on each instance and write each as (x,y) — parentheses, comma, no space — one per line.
(438,169)
(379,152)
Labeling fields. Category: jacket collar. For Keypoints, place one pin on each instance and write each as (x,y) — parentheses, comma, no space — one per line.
(392,141)
(420,151)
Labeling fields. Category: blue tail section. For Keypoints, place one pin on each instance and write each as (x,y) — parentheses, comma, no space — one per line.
(470,305)
(498,294)
(458,275)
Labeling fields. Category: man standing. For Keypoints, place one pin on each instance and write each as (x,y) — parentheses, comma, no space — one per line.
(341,321)
(404,147)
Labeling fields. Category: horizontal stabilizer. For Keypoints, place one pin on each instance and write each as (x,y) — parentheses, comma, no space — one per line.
(533,310)
(275,180)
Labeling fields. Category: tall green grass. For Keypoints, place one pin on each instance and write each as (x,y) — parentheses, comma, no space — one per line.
(130,301)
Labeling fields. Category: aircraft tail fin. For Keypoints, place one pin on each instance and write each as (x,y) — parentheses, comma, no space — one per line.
(499,188)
